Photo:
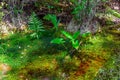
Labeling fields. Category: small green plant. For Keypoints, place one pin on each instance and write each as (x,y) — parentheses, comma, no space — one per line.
(73,39)
(53,19)
(58,41)
(36,26)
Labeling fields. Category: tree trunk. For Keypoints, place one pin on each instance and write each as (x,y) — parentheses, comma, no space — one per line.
(85,18)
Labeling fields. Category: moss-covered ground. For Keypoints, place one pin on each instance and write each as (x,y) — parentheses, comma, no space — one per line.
(39,60)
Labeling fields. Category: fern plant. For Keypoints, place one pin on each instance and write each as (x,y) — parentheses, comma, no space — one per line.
(73,39)
(53,19)
(36,26)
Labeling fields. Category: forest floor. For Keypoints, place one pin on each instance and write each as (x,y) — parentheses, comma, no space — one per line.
(38,60)
(23,58)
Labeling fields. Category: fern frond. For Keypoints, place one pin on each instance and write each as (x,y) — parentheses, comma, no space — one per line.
(53,19)
(35,25)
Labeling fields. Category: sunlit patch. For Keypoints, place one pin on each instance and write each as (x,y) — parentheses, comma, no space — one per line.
(23,53)
(8,45)
(116,7)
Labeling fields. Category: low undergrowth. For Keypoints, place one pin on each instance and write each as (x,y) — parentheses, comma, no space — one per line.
(39,59)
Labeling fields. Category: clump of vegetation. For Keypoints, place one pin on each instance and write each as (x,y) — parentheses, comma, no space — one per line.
(73,40)
(53,19)
(36,26)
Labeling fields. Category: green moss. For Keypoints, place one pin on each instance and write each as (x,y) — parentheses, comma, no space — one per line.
(34,58)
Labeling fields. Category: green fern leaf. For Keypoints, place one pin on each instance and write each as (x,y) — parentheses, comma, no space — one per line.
(67,35)
(75,44)
(58,41)
(53,19)
(76,34)
(35,25)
